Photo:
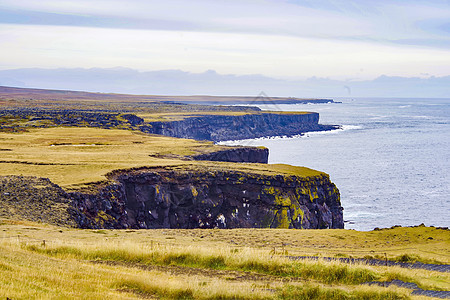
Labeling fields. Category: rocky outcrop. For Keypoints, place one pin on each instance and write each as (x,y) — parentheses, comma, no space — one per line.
(34,199)
(225,127)
(22,119)
(104,208)
(132,119)
(210,199)
(237,154)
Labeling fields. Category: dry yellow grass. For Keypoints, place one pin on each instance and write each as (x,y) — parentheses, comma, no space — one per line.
(120,264)
(207,264)
(74,156)
(334,243)
(80,155)
(177,116)
(28,275)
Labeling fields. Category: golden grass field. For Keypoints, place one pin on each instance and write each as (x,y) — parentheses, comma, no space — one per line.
(71,156)
(39,261)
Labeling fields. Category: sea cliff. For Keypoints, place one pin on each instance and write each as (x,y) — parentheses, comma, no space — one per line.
(198,198)
(122,164)
(237,154)
(225,127)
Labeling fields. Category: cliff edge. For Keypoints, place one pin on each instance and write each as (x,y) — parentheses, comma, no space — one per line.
(235,127)
(210,198)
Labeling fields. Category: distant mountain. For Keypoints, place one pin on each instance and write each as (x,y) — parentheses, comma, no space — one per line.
(177,82)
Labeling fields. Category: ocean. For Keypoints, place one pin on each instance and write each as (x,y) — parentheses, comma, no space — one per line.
(390,161)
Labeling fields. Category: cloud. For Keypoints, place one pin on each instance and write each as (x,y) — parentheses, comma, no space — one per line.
(279,56)
(383,21)
(260,17)
(82,20)
(300,38)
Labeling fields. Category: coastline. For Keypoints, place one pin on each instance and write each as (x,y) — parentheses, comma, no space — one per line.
(388,163)
(112,176)
(245,142)
(282,196)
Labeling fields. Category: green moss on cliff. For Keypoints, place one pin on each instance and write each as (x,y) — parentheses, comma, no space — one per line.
(290,210)
(102,218)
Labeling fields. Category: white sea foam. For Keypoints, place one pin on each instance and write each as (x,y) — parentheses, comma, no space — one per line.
(351,127)
(378,117)
(422,117)
(297,136)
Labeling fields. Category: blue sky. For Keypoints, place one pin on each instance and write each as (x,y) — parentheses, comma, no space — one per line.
(338,39)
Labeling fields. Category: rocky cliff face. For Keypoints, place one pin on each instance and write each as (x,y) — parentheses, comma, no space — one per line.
(210,199)
(221,128)
(204,127)
(238,154)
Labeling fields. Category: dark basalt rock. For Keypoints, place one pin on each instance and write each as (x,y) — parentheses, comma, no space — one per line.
(221,128)
(104,209)
(133,119)
(205,199)
(238,154)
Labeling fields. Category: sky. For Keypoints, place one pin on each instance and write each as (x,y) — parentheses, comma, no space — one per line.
(286,39)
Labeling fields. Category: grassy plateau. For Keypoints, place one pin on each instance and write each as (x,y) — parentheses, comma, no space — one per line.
(71,156)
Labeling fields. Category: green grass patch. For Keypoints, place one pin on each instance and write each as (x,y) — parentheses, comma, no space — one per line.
(329,273)
(161,291)
(310,292)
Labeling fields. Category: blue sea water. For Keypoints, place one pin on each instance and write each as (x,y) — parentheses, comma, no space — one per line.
(391,160)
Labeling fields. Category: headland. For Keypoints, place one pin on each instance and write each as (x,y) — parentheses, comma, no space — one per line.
(124,161)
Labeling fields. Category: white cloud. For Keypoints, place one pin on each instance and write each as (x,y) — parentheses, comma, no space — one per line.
(382,20)
(236,53)
(276,38)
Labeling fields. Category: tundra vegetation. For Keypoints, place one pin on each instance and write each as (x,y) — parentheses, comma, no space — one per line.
(43,261)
